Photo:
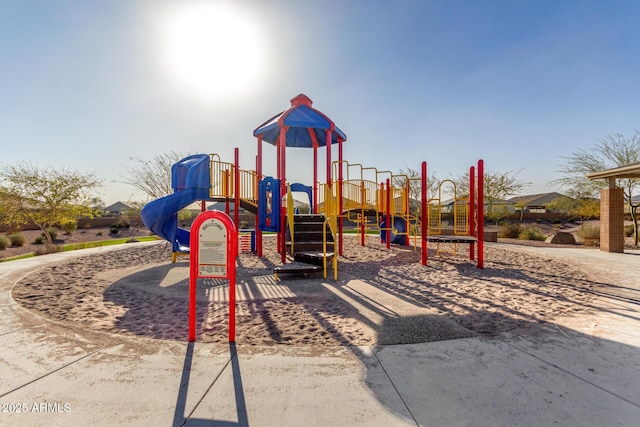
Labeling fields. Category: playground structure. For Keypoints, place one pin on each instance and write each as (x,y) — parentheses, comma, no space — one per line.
(367,198)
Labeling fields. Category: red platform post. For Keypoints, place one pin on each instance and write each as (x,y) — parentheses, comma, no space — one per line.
(340,188)
(481,213)
(388,216)
(283,194)
(407,212)
(363,198)
(328,147)
(425,214)
(258,178)
(472,211)
(315,179)
(236,190)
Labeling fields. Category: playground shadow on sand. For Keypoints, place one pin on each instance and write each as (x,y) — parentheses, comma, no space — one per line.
(294,311)
(313,311)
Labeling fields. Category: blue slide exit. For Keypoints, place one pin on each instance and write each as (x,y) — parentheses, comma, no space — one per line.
(400,226)
(191,181)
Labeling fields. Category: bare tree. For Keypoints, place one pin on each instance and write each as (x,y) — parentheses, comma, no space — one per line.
(610,152)
(415,187)
(497,187)
(153,177)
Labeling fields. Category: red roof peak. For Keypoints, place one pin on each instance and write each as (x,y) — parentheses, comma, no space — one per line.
(301,99)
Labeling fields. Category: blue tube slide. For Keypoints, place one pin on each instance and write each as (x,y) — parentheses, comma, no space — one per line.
(400,225)
(191,181)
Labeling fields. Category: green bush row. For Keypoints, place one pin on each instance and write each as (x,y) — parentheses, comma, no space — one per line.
(531,233)
(4,242)
(14,239)
(589,232)
(517,231)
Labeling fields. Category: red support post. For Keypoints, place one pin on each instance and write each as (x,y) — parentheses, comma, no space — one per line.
(406,237)
(425,214)
(383,205)
(481,213)
(283,194)
(277,203)
(315,179)
(236,190)
(472,211)
(363,229)
(259,177)
(340,188)
(388,216)
(328,148)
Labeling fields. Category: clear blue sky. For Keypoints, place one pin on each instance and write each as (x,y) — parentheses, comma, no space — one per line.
(87,84)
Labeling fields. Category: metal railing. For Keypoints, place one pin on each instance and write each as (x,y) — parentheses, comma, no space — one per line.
(330,222)
(223,185)
(290,212)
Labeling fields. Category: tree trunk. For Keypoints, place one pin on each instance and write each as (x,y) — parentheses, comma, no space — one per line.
(45,232)
(634,217)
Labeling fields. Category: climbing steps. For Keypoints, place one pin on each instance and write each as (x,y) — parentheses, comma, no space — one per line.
(307,245)
(307,239)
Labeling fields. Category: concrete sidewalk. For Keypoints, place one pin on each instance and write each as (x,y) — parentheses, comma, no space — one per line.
(574,372)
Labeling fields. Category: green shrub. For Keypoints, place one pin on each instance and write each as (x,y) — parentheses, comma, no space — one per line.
(69,227)
(40,240)
(114,229)
(123,222)
(50,249)
(4,242)
(531,233)
(17,239)
(510,231)
(628,231)
(556,221)
(591,232)
(99,233)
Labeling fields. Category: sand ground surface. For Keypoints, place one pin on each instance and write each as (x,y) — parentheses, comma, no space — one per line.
(383,296)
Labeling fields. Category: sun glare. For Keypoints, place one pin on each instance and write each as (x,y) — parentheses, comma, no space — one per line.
(212,50)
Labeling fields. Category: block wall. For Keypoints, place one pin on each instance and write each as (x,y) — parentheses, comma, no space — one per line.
(612,220)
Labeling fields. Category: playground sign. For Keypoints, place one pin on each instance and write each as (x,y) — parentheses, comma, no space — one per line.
(212,249)
(214,246)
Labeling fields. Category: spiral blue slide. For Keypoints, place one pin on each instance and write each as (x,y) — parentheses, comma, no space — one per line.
(191,181)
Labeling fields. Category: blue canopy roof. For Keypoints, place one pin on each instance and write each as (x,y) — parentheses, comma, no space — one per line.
(305,124)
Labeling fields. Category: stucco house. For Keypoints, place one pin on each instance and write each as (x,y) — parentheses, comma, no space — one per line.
(535,203)
(116,209)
